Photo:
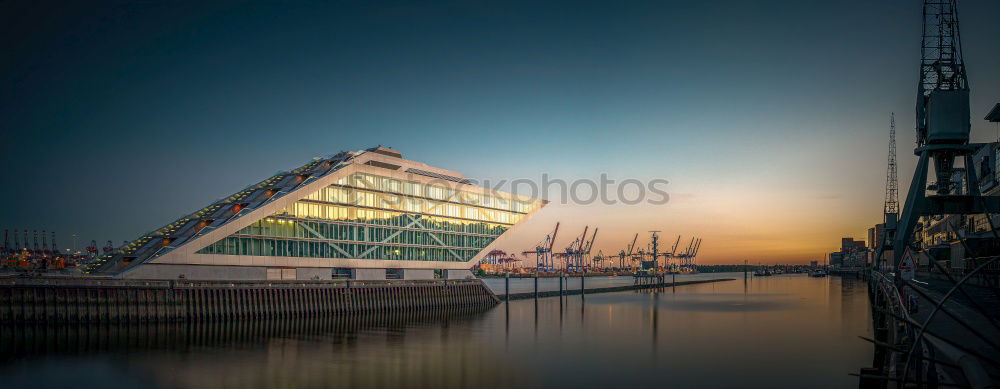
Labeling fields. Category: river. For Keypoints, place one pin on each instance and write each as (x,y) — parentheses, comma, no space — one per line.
(781,331)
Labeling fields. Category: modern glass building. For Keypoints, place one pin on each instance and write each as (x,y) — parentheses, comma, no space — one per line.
(364,215)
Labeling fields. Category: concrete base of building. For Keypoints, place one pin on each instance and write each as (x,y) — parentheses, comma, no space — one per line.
(418,274)
(153,271)
(368,274)
(457,275)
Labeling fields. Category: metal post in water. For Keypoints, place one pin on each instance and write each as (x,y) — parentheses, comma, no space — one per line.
(536,287)
(506,287)
(560,284)
(583,290)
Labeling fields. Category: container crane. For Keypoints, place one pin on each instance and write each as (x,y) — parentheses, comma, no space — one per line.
(687,257)
(92,249)
(574,252)
(599,259)
(585,253)
(55,248)
(544,260)
(36,249)
(45,246)
(15,252)
(622,254)
(6,248)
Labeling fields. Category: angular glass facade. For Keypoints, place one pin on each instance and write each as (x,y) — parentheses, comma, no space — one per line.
(369,216)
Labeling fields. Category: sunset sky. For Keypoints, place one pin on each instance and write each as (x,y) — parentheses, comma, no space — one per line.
(769,119)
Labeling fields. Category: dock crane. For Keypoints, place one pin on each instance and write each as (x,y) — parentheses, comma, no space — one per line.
(544,260)
(687,251)
(622,254)
(45,246)
(6,252)
(574,252)
(687,257)
(943,127)
(36,249)
(92,249)
(585,253)
(17,246)
(27,249)
(599,259)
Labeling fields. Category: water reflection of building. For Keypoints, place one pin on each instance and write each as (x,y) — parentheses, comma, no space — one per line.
(362,215)
(415,349)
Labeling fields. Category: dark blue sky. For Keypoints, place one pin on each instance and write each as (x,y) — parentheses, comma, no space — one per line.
(118,118)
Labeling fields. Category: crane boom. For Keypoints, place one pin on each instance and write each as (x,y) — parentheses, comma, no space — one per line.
(591,242)
(553,240)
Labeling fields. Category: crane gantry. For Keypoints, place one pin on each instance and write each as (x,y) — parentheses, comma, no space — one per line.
(544,260)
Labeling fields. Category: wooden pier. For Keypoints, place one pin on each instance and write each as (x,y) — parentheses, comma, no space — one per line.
(87,300)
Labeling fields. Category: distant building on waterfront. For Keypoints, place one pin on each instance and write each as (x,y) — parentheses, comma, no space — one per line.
(362,215)
(853,253)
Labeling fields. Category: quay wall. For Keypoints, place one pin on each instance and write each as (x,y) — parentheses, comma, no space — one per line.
(85,300)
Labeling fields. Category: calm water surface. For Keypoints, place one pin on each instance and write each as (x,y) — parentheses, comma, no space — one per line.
(782,331)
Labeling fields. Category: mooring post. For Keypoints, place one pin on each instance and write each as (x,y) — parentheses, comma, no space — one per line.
(583,278)
(506,287)
(673,282)
(536,286)
(560,284)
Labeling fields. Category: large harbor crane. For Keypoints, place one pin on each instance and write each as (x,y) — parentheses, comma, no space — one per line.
(673,249)
(622,254)
(943,131)
(585,252)
(574,252)
(544,260)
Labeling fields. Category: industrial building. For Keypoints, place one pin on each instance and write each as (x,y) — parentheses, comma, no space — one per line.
(366,215)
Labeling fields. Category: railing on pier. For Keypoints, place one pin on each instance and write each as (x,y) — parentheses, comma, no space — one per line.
(927,338)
